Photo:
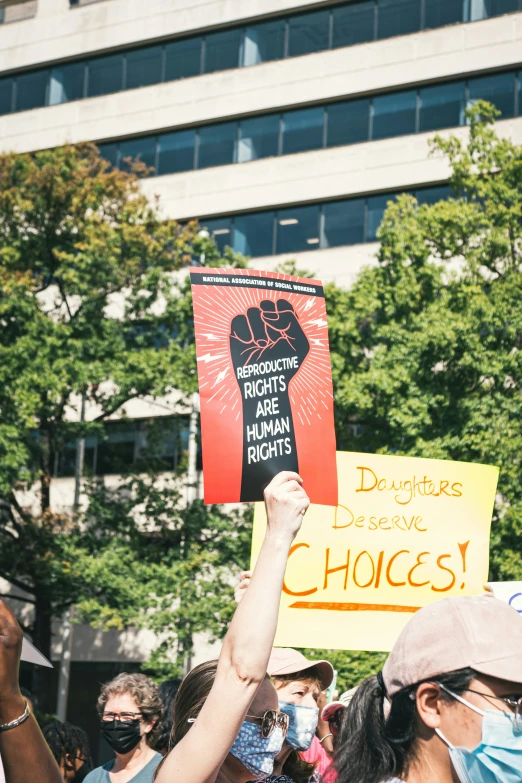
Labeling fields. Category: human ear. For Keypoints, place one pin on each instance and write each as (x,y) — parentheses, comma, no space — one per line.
(428,700)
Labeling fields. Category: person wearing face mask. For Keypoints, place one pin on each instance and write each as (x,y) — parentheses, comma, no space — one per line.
(70,747)
(130,710)
(454,682)
(227,727)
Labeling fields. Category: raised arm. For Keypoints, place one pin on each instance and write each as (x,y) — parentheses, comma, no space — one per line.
(247,645)
(25,754)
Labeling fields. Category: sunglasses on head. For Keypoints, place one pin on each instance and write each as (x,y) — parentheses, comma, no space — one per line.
(335,722)
(271,720)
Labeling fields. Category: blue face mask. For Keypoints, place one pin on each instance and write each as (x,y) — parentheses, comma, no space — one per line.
(303,725)
(255,752)
(498,758)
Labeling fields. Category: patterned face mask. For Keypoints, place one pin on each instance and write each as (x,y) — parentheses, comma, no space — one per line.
(255,752)
(303,724)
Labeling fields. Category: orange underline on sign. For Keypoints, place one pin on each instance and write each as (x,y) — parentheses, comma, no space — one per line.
(339,607)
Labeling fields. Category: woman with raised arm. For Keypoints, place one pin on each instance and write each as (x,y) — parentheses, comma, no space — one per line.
(227,727)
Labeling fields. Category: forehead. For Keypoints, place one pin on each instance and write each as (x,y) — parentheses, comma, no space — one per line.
(265,699)
(121,702)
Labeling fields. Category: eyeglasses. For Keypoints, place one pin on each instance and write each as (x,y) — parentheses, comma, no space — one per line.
(514,704)
(123,717)
(271,720)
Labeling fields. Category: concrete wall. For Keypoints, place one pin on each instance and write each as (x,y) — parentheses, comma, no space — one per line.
(380,65)
(59,32)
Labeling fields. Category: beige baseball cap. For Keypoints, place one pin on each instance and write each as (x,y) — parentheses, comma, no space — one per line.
(479,632)
(284,660)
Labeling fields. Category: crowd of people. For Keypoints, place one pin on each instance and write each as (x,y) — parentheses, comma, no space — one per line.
(446,708)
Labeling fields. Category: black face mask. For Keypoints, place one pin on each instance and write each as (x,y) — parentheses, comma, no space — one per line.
(122,736)
(82,772)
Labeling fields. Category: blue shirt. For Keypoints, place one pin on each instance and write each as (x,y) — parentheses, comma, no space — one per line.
(145,775)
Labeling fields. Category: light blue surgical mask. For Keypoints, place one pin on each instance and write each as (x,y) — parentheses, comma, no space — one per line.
(498,757)
(255,752)
(303,724)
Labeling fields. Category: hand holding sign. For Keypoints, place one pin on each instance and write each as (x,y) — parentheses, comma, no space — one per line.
(267,346)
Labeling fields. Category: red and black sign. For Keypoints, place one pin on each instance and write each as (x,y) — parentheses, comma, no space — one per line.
(265,383)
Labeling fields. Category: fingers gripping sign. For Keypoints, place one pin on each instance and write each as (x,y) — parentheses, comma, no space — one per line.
(268,347)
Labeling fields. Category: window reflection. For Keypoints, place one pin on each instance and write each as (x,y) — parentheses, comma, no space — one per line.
(348,122)
(183,59)
(297,229)
(498,89)
(264,42)
(31,90)
(438,13)
(343,223)
(144,67)
(484,9)
(222,50)
(216,145)
(142,150)
(258,138)
(375,212)
(303,130)
(254,234)
(220,230)
(105,75)
(394,115)
(354,24)
(6,96)
(110,152)
(442,106)
(398,17)
(308,33)
(176,151)
(67,83)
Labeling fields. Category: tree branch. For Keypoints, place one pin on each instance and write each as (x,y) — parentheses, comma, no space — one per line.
(116,407)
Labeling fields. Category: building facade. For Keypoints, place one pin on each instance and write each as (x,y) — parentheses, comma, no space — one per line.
(284,126)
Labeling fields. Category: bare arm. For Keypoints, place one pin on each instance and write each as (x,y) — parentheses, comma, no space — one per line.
(25,754)
(247,646)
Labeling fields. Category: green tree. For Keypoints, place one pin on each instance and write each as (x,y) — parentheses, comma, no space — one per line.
(427,344)
(93,302)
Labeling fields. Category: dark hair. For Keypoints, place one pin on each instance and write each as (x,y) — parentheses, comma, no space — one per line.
(27,695)
(67,742)
(371,747)
(167,691)
(295,766)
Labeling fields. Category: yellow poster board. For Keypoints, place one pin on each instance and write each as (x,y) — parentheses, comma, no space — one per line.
(407,532)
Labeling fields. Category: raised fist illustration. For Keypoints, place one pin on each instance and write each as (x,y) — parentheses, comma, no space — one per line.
(268,347)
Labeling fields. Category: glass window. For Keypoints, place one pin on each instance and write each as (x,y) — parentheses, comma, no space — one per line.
(258,138)
(105,75)
(222,50)
(221,231)
(376,209)
(343,223)
(308,33)
(348,122)
(353,24)
(264,42)
(254,234)
(394,115)
(432,195)
(144,66)
(398,17)
(67,83)
(303,130)
(216,145)
(484,9)
(143,149)
(438,13)
(116,451)
(183,59)
(6,96)
(109,152)
(176,151)
(498,89)
(442,106)
(31,89)
(297,229)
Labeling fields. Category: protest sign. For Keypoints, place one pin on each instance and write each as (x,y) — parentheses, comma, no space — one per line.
(406,532)
(265,383)
(510,592)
